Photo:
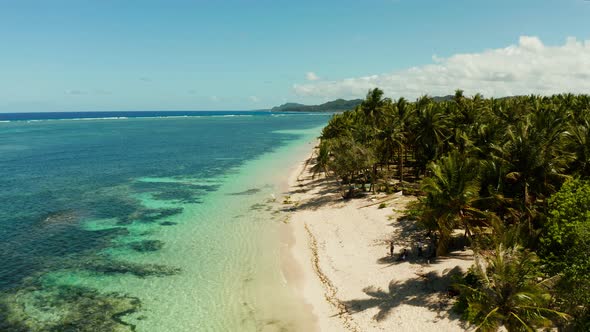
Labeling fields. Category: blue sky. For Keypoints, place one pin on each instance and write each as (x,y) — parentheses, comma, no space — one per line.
(159,55)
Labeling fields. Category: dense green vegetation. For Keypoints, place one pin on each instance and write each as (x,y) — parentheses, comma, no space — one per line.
(510,173)
(337,105)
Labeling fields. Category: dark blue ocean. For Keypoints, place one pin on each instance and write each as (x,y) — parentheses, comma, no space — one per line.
(122,114)
(78,195)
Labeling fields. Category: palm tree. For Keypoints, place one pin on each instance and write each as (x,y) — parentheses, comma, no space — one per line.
(507,292)
(403,114)
(451,190)
(430,130)
(338,126)
(374,106)
(530,150)
(579,144)
(322,159)
(351,162)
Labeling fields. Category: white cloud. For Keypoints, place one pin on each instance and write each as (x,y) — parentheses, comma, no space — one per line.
(254,99)
(529,67)
(311,76)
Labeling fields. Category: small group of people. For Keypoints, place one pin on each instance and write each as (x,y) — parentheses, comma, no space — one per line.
(404,253)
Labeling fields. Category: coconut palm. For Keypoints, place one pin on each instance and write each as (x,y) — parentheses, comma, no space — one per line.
(403,115)
(507,292)
(430,131)
(352,162)
(322,159)
(374,106)
(579,144)
(451,191)
(530,150)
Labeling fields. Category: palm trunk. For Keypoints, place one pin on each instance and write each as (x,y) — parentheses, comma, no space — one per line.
(374,177)
(526,201)
(468,233)
(401,162)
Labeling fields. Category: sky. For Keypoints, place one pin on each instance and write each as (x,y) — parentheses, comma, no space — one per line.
(110,55)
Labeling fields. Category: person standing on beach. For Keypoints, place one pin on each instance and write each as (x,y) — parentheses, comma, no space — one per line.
(391,248)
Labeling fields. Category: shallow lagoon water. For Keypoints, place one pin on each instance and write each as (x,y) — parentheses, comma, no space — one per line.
(148,224)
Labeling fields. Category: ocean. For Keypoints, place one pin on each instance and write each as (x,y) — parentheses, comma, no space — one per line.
(147,221)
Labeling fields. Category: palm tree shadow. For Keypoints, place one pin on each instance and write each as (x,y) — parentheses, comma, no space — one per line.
(428,291)
(325,193)
(407,231)
(388,260)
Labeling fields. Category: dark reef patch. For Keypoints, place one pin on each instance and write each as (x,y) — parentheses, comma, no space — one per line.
(59,217)
(41,249)
(149,215)
(176,191)
(246,192)
(114,207)
(180,195)
(120,267)
(65,308)
(168,223)
(146,245)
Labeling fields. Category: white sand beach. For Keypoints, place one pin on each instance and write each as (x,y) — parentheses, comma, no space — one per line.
(343,269)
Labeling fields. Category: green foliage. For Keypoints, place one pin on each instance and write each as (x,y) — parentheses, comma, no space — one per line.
(331,106)
(490,167)
(502,289)
(351,160)
(565,247)
(450,191)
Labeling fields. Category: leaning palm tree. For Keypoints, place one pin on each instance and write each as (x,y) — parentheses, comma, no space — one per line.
(451,191)
(507,292)
(322,159)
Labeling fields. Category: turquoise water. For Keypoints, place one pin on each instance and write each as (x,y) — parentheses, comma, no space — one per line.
(153,224)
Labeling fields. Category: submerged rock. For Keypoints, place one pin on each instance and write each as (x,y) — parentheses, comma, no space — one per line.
(168,223)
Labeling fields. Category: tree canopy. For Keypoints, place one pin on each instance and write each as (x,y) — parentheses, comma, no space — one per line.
(497,169)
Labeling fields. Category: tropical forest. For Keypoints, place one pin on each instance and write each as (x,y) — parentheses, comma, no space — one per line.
(507,177)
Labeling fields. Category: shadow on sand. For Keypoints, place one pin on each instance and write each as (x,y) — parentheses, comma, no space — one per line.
(429,291)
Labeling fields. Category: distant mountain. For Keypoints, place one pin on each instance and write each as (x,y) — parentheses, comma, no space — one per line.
(337,105)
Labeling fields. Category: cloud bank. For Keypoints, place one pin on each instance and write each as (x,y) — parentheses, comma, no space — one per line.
(527,68)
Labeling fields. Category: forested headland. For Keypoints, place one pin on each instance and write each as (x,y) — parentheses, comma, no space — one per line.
(338,105)
(510,175)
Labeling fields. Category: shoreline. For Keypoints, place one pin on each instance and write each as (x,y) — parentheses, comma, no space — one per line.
(336,259)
